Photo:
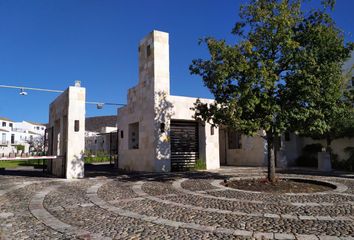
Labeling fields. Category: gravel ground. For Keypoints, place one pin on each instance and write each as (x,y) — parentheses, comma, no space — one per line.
(152,207)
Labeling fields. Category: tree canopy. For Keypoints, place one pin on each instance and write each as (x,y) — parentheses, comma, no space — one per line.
(283,74)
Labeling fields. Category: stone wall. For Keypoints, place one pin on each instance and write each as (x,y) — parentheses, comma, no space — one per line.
(253,150)
(151,106)
(293,148)
(67,120)
(208,143)
(142,106)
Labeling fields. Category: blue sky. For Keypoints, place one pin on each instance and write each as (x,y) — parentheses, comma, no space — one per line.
(49,44)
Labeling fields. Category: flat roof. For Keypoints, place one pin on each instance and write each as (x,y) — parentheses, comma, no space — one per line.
(35,123)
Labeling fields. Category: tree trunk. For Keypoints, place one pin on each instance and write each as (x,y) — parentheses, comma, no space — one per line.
(329,141)
(271,163)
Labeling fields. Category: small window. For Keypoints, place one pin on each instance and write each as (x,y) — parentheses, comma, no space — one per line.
(3,139)
(10,125)
(4,124)
(134,136)
(234,139)
(12,138)
(211,130)
(148,51)
(77,125)
(121,134)
(277,143)
(287,136)
(162,127)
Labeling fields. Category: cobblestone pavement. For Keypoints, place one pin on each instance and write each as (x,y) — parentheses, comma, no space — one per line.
(172,206)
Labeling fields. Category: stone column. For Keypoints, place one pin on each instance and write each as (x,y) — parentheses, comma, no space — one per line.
(324,161)
(67,116)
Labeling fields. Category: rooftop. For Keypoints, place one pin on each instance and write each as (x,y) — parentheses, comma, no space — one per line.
(35,123)
(5,119)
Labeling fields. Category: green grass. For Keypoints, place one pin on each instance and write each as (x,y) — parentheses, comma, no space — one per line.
(34,162)
(96,159)
(200,165)
(14,164)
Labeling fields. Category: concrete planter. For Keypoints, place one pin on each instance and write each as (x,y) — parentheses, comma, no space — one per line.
(324,161)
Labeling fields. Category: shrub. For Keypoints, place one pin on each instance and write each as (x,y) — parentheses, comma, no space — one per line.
(200,165)
(346,164)
(20,148)
(308,157)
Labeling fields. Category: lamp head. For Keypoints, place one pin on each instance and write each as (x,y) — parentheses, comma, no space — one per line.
(99,105)
(22,92)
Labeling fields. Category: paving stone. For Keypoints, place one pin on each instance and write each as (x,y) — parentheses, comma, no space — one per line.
(329,238)
(243,233)
(133,207)
(287,216)
(6,214)
(282,236)
(306,237)
(307,217)
(269,215)
(263,235)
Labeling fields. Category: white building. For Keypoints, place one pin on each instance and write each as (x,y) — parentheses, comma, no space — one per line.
(100,142)
(100,134)
(18,133)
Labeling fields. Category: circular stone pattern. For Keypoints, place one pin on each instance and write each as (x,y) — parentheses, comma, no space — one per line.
(281,185)
(175,206)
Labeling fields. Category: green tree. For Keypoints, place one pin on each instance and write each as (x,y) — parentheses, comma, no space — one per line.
(283,74)
(341,121)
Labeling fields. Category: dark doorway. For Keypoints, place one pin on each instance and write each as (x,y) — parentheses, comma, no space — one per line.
(184,145)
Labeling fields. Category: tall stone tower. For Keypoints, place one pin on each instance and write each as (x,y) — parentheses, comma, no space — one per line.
(144,123)
(154,62)
(154,74)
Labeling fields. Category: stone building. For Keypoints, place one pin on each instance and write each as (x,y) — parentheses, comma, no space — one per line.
(14,134)
(148,120)
(157,131)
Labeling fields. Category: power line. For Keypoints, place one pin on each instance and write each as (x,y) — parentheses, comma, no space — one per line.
(30,88)
(99,104)
(103,103)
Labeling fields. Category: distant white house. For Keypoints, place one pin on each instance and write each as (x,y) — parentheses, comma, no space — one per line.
(100,134)
(100,142)
(18,133)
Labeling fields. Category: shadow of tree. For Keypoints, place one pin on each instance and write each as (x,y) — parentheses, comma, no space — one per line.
(77,166)
(163,112)
(25,172)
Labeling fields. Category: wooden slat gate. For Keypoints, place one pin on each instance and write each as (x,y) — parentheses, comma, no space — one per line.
(184,145)
(113,148)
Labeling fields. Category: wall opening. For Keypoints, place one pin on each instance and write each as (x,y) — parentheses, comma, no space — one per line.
(234,139)
(134,136)
(184,144)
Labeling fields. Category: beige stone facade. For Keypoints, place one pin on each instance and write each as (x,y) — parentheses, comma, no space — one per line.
(150,106)
(67,133)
